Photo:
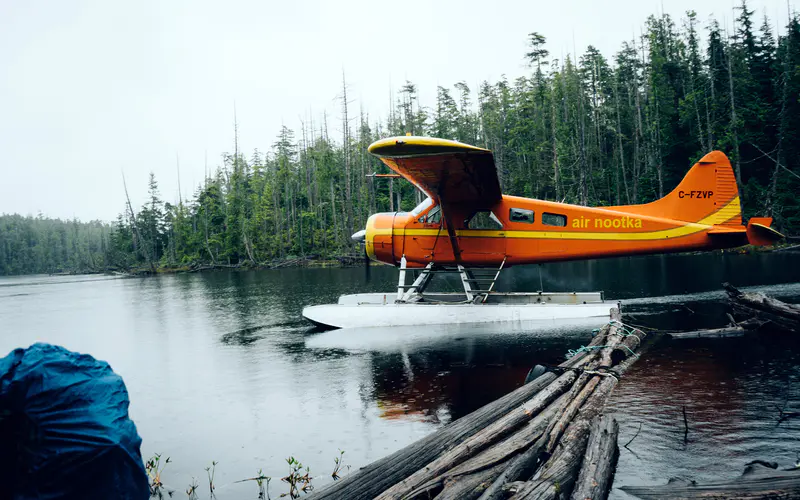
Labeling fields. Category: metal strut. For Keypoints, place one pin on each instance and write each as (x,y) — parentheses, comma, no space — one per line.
(413,292)
(476,286)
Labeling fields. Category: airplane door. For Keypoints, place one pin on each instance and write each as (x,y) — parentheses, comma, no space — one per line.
(426,236)
(483,239)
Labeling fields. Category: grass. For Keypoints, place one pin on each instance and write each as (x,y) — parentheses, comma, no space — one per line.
(298,481)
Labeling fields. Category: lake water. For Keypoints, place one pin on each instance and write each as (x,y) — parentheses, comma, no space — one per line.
(221,367)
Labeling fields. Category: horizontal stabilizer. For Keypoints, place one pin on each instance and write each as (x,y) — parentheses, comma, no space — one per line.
(760,233)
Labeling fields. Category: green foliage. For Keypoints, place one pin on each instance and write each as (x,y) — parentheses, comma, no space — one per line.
(298,479)
(586,130)
(33,245)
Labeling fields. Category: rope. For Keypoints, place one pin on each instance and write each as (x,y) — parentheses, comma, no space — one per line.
(623,330)
(627,330)
(584,348)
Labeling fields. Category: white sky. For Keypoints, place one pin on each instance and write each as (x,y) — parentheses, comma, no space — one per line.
(89,89)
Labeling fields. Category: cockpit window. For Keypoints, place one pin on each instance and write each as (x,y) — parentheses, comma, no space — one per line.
(483,219)
(434,216)
(427,202)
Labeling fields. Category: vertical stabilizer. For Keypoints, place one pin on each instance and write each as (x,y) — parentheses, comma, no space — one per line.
(708,194)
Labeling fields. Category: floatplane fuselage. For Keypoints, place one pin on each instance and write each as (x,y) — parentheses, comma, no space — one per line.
(702,213)
(467,226)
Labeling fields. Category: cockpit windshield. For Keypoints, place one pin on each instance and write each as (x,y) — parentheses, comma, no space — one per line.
(427,202)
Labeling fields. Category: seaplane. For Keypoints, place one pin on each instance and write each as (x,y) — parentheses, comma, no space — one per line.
(466,226)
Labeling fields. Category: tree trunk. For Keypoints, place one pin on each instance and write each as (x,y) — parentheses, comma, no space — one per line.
(734,127)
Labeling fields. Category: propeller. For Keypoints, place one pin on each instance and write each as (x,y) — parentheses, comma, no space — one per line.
(361,238)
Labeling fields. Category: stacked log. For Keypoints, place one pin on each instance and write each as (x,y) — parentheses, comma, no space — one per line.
(764,309)
(543,439)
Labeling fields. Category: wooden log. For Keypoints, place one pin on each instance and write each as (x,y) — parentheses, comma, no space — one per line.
(605,360)
(791,248)
(592,407)
(500,452)
(519,467)
(733,330)
(584,357)
(559,473)
(470,446)
(627,347)
(525,462)
(597,472)
(514,444)
(559,426)
(716,333)
(612,341)
(778,321)
(470,487)
(557,476)
(370,480)
(758,300)
(757,481)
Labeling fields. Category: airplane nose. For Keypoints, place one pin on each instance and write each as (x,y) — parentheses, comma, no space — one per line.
(360,236)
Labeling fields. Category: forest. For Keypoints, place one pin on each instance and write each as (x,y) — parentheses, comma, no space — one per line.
(586,130)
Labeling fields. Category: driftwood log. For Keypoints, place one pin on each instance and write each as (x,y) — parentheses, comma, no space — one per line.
(757,481)
(727,332)
(766,309)
(734,329)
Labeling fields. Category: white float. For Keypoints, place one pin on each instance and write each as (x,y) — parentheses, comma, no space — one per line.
(410,306)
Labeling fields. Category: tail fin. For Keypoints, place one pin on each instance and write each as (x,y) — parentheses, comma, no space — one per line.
(707,194)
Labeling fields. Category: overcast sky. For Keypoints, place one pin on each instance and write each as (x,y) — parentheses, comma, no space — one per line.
(89,89)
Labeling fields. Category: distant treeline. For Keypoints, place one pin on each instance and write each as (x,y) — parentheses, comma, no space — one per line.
(31,245)
(585,130)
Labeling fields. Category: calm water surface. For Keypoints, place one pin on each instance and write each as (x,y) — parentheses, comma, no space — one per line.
(220,366)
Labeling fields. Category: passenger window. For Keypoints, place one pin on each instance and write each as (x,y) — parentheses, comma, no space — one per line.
(432,217)
(520,215)
(484,219)
(554,220)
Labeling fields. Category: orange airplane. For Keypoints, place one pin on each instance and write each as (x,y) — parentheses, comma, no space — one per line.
(467,221)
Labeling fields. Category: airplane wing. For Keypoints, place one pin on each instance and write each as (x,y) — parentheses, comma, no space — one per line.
(448,171)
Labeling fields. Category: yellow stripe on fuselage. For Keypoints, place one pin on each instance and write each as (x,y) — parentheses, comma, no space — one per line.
(725,213)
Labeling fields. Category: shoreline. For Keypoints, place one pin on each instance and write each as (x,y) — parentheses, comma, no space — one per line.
(341,262)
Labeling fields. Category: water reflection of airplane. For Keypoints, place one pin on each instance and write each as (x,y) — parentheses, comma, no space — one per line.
(454,379)
(443,372)
(468,227)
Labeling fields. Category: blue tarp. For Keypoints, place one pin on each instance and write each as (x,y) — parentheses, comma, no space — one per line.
(64,429)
